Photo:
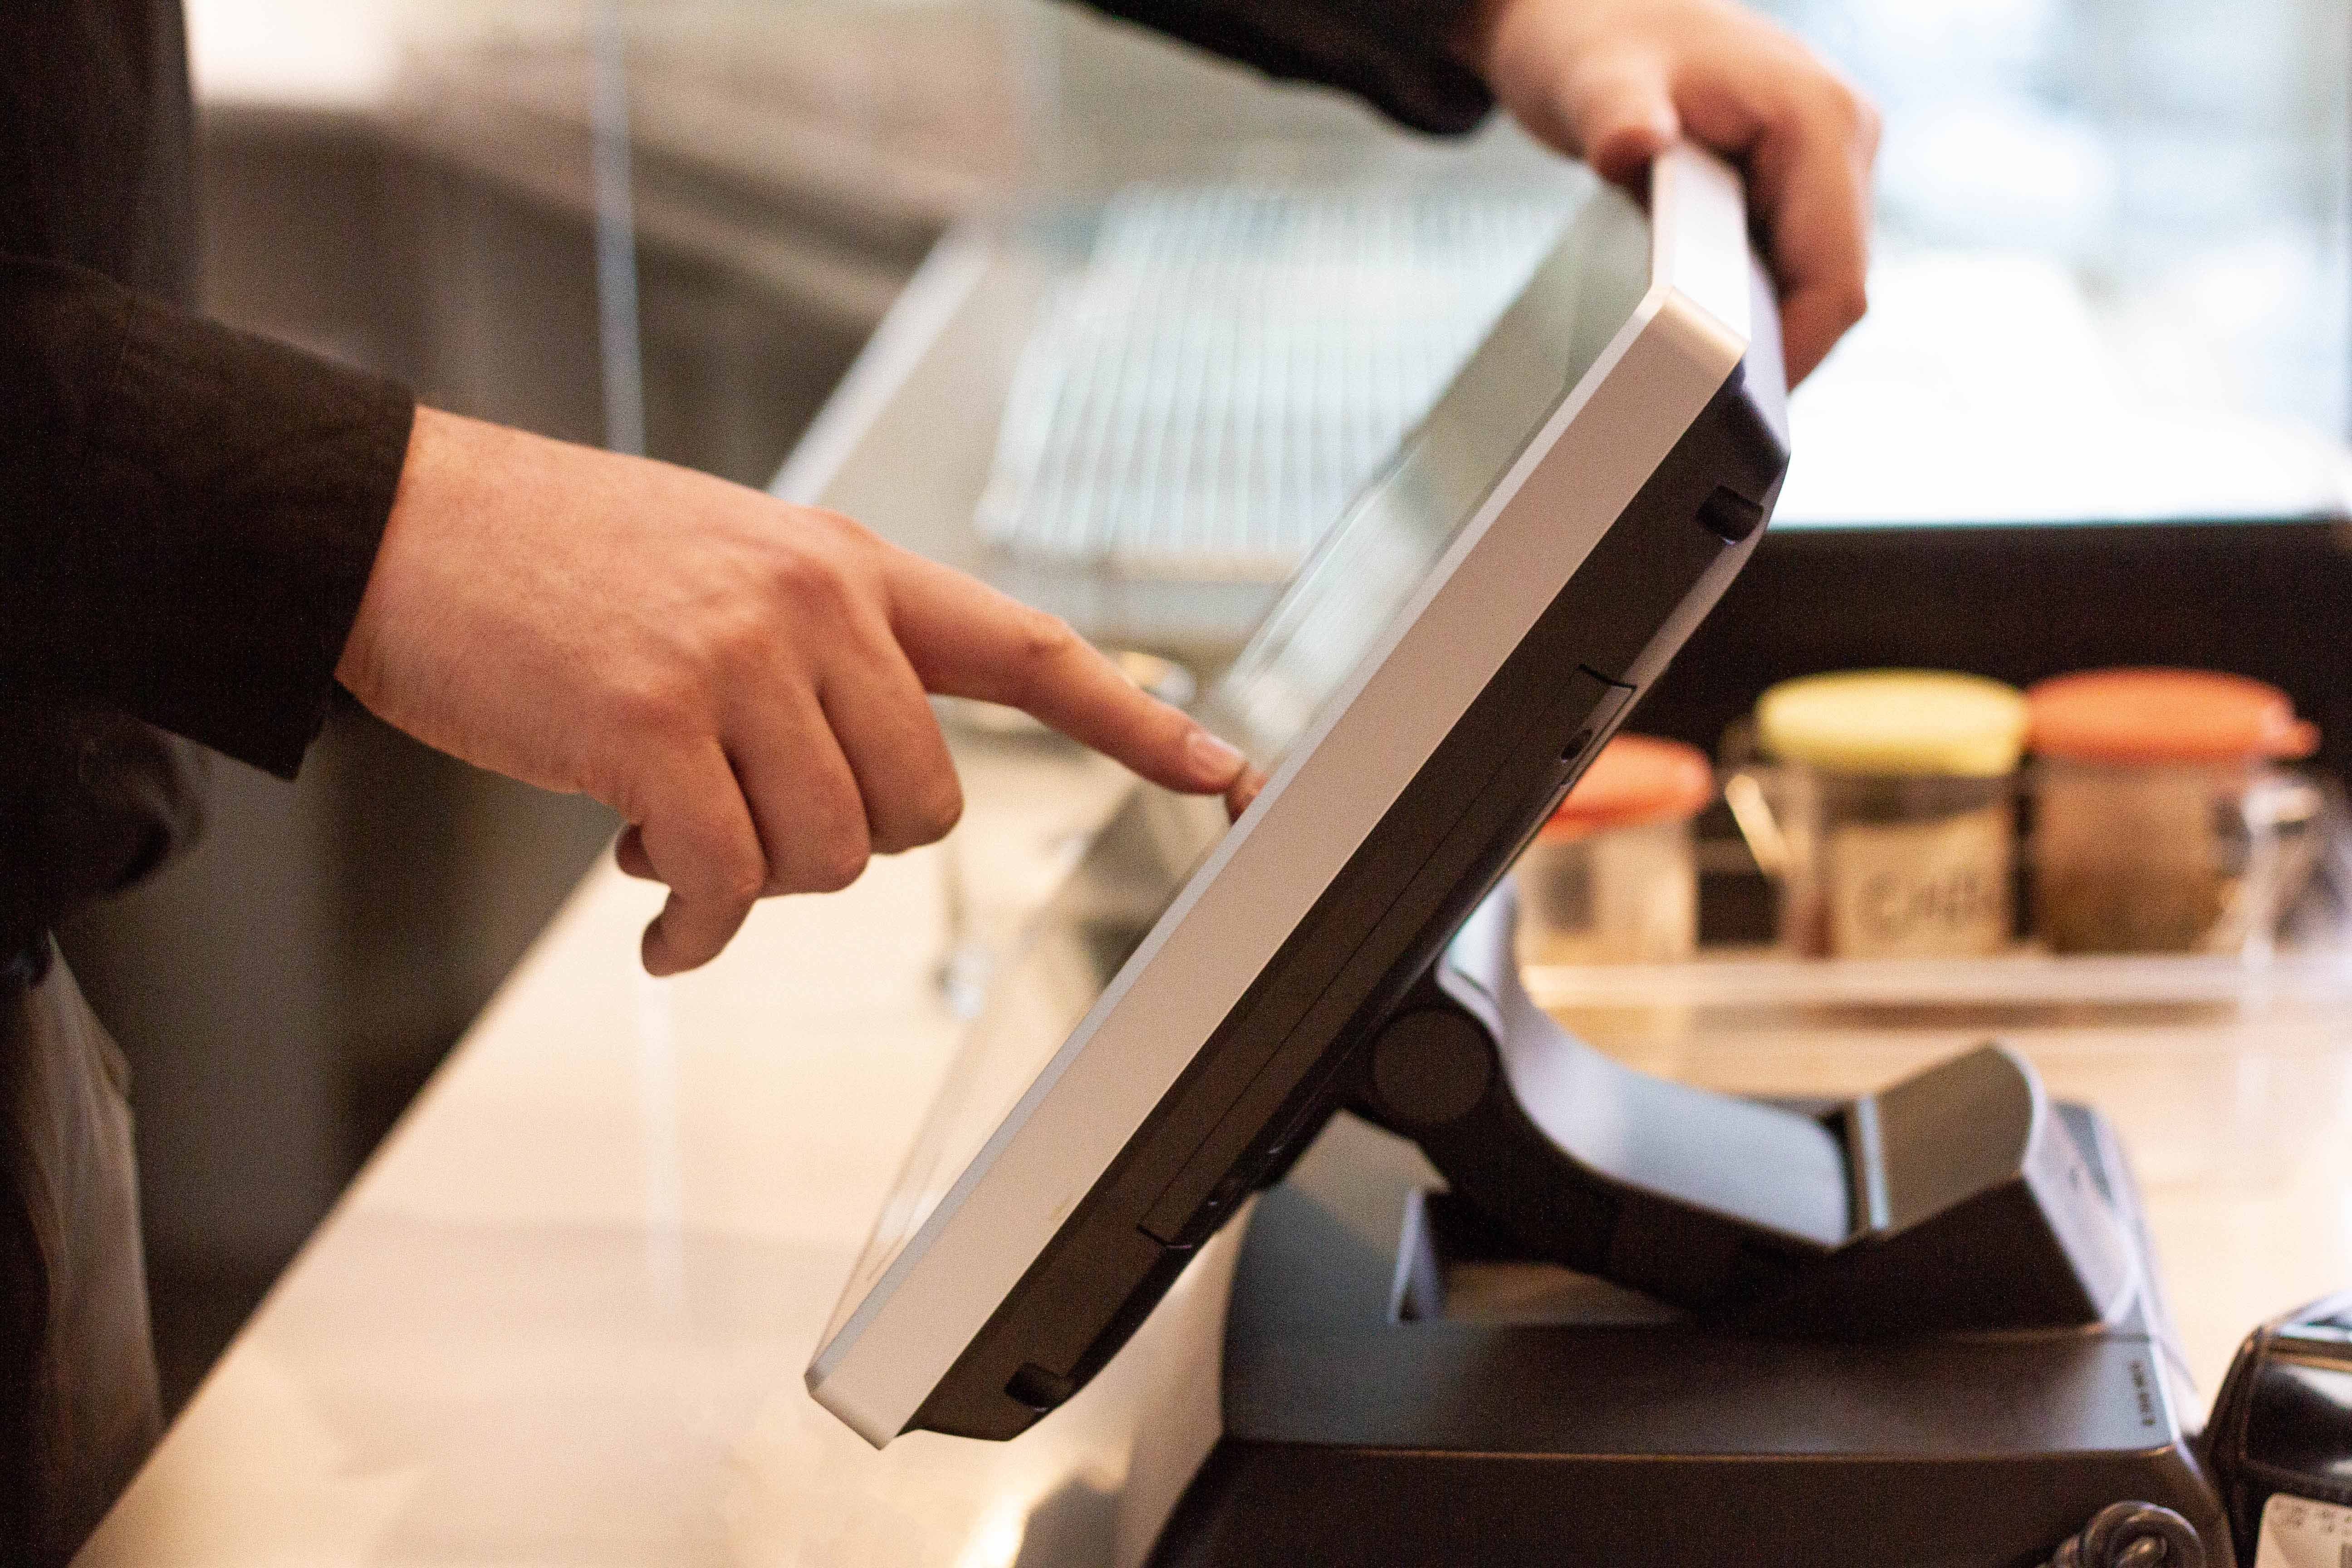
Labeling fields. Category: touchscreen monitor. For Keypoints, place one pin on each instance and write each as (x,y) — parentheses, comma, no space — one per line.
(1433,681)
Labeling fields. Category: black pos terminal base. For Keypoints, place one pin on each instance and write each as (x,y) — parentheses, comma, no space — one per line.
(1910,1329)
(1611,1320)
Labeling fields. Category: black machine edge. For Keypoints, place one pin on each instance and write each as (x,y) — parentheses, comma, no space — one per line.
(1580,1434)
(1279,1065)
(2282,1424)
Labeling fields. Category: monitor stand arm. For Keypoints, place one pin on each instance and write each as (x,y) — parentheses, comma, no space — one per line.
(1956,1198)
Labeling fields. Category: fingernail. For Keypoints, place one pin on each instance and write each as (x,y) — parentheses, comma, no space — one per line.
(1211,758)
(1241,792)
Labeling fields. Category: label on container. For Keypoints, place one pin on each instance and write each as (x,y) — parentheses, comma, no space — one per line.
(1920,890)
(2300,1534)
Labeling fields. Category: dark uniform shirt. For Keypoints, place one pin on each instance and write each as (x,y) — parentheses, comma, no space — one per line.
(187,514)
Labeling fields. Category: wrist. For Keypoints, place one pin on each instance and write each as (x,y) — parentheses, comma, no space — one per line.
(357,666)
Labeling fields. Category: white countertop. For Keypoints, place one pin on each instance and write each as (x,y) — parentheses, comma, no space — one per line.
(563,1316)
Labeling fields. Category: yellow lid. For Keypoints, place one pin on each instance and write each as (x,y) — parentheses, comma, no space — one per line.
(1914,722)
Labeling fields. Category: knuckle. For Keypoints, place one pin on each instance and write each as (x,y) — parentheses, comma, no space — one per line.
(940,809)
(740,638)
(740,884)
(824,564)
(810,578)
(665,703)
(1853,115)
(835,843)
(1869,123)
(1034,659)
(842,530)
(1851,301)
(836,860)
(1046,640)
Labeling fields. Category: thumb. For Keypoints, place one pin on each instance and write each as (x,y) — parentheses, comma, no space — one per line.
(1620,113)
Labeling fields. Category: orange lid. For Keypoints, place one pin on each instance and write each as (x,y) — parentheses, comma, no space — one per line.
(2165,716)
(1636,779)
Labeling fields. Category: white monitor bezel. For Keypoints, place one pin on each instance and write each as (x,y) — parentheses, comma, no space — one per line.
(1576,476)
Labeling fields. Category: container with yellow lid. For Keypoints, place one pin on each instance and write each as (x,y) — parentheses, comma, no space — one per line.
(1896,803)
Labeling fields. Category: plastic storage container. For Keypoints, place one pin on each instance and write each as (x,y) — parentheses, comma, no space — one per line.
(2160,825)
(1896,803)
(1612,877)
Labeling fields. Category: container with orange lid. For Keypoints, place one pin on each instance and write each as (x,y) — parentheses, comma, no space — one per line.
(2162,823)
(1612,877)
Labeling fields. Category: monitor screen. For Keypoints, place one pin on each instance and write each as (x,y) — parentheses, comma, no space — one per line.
(1326,620)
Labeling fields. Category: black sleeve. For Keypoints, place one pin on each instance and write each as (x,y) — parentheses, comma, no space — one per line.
(1398,54)
(187,514)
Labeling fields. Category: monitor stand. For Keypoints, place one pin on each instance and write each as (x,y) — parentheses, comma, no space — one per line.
(1646,1324)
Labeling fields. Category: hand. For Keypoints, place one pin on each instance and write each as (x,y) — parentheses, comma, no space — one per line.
(1616,81)
(743,680)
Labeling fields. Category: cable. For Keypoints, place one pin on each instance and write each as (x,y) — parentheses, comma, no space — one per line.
(2133,1535)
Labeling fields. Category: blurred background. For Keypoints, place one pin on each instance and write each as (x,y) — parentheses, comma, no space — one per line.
(2114,287)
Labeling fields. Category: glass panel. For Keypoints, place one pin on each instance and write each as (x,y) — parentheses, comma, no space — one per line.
(1332,616)
(2113,275)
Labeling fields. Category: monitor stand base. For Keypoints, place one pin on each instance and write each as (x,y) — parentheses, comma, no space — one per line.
(1401,1387)
(1955,1199)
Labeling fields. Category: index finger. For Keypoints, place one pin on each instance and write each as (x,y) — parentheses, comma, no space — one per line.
(966,639)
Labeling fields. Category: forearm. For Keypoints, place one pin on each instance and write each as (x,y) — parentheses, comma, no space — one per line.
(1404,57)
(1610,81)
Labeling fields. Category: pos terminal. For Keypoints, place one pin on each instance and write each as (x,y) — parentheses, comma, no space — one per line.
(1919,1327)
